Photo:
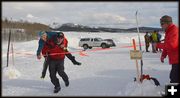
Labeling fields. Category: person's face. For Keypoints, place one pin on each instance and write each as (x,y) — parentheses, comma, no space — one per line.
(164,25)
(44,37)
(61,39)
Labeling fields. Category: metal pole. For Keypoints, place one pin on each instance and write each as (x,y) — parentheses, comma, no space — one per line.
(8,48)
(9,40)
(139,43)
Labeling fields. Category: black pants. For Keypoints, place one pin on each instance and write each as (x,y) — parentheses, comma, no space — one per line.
(147,46)
(174,74)
(57,66)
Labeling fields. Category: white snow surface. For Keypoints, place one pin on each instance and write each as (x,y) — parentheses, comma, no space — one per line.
(108,72)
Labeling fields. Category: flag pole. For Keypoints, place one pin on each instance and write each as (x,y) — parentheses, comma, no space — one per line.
(139,43)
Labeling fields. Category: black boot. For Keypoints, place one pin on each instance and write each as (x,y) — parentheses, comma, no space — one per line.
(75,62)
(57,89)
(72,58)
(67,83)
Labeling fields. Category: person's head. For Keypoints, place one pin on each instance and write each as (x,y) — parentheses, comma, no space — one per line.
(60,35)
(60,38)
(165,21)
(43,35)
(155,31)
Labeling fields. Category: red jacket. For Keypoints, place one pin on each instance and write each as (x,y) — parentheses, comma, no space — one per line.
(65,42)
(55,52)
(171,45)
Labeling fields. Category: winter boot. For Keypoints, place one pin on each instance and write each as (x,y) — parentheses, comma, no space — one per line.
(67,83)
(72,58)
(74,61)
(57,89)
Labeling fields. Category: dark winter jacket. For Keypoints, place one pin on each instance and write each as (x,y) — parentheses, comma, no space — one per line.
(147,38)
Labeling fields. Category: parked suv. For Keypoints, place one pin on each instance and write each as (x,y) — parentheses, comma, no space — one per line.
(94,42)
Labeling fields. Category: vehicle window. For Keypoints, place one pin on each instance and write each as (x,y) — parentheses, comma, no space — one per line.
(85,39)
(96,39)
(100,39)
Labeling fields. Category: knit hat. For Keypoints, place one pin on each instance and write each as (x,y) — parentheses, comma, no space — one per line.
(41,33)
(166,19)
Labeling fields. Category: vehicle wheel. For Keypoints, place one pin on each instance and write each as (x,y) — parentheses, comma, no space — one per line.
(85,46)
(103,45)
(90,47)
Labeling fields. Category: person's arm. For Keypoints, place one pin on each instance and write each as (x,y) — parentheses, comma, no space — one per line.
(160,45)
(163,55)
(40,47)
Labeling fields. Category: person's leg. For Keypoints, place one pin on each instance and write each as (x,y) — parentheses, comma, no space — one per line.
(174,74)
(72,58)
(62,73)
(148,47)
(52,72)
(154,47)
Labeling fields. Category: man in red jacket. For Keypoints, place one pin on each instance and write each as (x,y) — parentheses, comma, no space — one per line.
(170,46)
(54,47)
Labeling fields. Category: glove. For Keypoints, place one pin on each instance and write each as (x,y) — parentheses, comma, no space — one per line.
(162,59)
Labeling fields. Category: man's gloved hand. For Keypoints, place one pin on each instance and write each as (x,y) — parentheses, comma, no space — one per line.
(162,59)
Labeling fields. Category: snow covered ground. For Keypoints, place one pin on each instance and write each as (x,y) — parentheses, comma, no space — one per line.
(108,72)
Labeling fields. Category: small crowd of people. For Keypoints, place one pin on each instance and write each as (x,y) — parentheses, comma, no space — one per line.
(152,38)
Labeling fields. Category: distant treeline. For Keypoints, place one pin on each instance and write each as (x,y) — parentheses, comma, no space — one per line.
(21,30)
(24,30)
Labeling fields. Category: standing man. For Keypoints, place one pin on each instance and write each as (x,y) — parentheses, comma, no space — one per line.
(147,41)
(170,46)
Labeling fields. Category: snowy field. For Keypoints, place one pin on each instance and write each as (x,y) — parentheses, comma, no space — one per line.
(108,72)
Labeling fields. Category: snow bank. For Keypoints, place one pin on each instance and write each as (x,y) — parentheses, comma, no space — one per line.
(102,73)
(11,73)
(147,88)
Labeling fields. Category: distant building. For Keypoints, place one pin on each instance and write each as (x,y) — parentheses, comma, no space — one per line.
(17,34)
(13,30)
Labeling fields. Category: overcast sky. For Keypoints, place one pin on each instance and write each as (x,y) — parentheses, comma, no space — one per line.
(105,14)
